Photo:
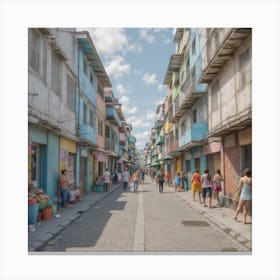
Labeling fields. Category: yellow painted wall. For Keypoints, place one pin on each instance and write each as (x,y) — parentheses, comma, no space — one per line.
(68,145)
(179,164)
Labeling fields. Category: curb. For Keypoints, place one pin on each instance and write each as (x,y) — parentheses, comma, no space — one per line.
(229,231)
(38,244)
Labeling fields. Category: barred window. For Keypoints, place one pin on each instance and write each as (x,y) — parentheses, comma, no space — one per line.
(100,91)
(245,73)
(107,132)
(71,94)
(193,46)
(56,73)
(91,118)
(194,115)
(85,113)
(91,77)
(45,60)
(183,127)
(100,127)
(33,49)
(214,96)
(85,67)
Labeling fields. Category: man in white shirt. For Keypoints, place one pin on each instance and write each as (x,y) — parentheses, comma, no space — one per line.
(125,176)
(107,180)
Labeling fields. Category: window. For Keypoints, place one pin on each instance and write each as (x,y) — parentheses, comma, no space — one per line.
(195,116)
(176,134)
(85,67)
(107,132)
(91,118)
(91,77)
(214,96)
(100,91)
(56,73)
(45,60)
(33,49)
(100,127)
(71,94)
(245,73)
(183,127)
(85,113)
(246,157)
(193,46)
(193,76)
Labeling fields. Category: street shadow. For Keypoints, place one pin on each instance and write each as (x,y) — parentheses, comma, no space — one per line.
(85,231)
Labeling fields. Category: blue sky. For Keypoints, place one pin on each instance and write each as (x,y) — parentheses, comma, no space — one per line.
(136,61)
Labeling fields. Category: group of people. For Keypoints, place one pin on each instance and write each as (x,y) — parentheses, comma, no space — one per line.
(138,177)
(207,185)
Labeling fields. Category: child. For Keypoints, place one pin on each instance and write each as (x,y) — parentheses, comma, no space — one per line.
(177,181)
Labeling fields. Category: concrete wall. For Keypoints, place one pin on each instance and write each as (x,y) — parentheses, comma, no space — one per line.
(232,100)
(48,105)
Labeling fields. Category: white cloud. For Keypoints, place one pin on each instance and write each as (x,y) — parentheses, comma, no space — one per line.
(162,100)
(138,72)
(140,123)
(174,31)
(109,40)
(135,47)
(167,41)
(129,111)
(124,100)
(117,67)
(142,136)
(146,34)
(150,79)
(150,115)
(160,87)
(121,89)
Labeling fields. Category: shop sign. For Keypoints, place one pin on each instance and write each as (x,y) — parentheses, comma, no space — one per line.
(245,136)
(229,141)
(84,153)
(188,156)
(196,152)
(212,148)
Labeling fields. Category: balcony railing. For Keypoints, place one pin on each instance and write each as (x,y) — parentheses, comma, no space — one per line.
(88,133)
(220,46)
(197,132)
(113,116)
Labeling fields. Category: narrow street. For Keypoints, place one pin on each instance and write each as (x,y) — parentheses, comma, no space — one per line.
(146,221)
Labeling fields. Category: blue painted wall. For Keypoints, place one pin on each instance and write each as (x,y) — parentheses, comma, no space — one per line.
(89,89)
(49,159)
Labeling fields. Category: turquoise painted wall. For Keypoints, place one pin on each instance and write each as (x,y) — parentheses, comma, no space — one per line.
(52,165)
(89,89)
(49,159)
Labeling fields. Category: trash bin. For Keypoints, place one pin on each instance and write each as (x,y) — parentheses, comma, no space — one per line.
(33,210)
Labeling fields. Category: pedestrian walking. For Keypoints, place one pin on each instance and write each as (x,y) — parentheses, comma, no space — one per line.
(217,182)
(245,184)
(136,179)
(64,188)
(160,179)
(142,177)
(107,179)
(168,178)
(177,182)
(196,185)
(206,182)
(126,177)
(185,180)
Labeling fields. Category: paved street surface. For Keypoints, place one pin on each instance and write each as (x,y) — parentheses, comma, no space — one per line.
(143,222)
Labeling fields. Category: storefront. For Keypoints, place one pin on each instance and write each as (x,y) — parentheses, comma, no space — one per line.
(43,158)
(213,156)
(67,159)
(100,161)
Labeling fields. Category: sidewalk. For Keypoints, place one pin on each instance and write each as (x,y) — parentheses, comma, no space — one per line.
(222,218)
(45,230)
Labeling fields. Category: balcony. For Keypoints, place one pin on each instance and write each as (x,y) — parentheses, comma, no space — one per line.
(159,140)
(87,134)
(173,147)
(112,116)
(131,139)
(122,139)
(159,124)
(190,92)
(221,45)
(196,133)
